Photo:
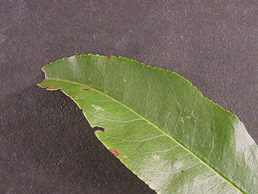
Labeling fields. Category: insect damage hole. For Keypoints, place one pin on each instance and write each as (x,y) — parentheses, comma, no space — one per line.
(114,152)
(97,128)
(48,87)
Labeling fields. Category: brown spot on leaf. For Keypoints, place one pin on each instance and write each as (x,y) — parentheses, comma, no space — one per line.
(114,152)
(108,56)
(97,128)
(48,87)
(85,89)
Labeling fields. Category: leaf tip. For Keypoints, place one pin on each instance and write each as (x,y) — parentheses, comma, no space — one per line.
(47,86)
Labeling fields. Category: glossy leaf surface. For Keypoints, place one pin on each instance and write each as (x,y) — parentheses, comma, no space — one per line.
(159,125)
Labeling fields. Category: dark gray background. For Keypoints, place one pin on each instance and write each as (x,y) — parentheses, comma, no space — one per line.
(46,145)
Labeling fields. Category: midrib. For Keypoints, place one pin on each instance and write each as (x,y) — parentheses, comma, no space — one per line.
(155,126)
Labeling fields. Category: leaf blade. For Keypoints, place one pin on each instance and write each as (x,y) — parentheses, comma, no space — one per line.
(118,81)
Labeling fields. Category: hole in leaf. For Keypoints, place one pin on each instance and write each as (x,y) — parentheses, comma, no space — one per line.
(97,128)
(48,87)
(85,89)
(114,152)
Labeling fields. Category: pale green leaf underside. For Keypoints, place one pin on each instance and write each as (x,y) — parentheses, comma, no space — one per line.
(164,130)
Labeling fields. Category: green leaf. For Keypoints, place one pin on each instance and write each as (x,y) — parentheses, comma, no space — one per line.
(159,125)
